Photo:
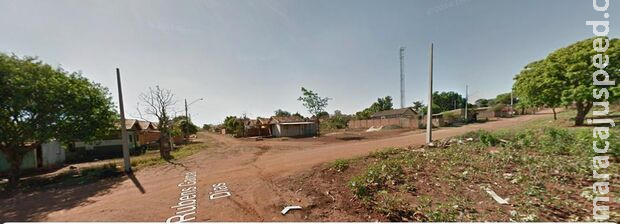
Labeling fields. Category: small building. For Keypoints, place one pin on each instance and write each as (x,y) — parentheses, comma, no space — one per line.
(48,155)
(292,126)
(107,148)
(407,112)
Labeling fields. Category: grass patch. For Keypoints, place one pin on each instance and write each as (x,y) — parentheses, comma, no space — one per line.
(546,172)
(112,169)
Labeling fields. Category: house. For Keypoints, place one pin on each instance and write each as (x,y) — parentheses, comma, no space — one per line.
(292,126)
(258,127)
(147,133)
(109,147)
(48,155)
(407,112)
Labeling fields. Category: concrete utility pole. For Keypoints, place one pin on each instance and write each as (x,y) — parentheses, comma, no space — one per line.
(429,111)
(123,128)
(466,102)
(402,77)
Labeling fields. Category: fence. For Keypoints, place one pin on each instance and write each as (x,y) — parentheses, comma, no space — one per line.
(402,122)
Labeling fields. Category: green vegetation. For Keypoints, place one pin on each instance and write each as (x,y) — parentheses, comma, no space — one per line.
(314,103)
(336,121)
(41,103)
(545,171)
(233,125)
(565,78)
(382,104)
(341,165)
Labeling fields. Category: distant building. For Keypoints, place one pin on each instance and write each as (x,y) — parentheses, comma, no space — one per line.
(139,134)
(407,112)
(292,126)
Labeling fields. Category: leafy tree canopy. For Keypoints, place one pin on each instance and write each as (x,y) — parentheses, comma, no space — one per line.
(566,76)
(39,103)
(382,104)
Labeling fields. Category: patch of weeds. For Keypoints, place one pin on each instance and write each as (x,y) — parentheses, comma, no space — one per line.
(488,139)
(536,190)
(385,153)
(341,165)
(393,207)
(377,177)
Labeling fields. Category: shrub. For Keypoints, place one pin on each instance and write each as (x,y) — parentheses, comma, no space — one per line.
(341,165)
(377,177)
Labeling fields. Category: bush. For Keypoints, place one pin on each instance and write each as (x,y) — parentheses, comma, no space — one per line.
(341,165)
(377,177)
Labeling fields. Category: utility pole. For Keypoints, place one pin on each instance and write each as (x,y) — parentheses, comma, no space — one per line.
(123,128)
(466,102)
(402,77)
(429,111)
(186,124)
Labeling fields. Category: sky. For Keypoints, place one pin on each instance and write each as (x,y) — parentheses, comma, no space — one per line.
(252,57)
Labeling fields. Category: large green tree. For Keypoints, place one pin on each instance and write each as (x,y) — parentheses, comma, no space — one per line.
(314,103)
(39,103)
(537,88)
(448,100)
(382,104)
(568,73)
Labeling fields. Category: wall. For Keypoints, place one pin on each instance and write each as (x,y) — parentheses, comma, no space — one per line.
(412,123)
(295,130)
(53,154)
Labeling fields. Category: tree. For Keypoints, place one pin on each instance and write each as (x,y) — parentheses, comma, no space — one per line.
(417,106)
(337,121)
(282,113)
(382,104)
(435,109)
(569,73)
(207,127)
(482,102)
(315,104)
(160,102)
(536,88)
(448,101)
(186,128)
(233,125)
(39,103)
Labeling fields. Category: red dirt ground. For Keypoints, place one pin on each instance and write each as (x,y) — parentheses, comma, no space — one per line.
(253,171)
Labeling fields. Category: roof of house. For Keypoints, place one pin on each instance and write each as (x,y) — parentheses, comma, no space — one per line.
(386,113)
(287,119)
(261,120)
(144,125)
(250,122)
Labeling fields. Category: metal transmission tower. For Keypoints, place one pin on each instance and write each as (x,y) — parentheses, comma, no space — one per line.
(402,77)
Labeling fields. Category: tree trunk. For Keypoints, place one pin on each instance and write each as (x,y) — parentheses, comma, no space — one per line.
(15,159)
(582,111)
(164,146)
(318,127)
(555,117)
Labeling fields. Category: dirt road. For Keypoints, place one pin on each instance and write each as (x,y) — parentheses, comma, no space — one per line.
(249,170)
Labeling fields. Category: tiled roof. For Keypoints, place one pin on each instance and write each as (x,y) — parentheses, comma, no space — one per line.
(393,112)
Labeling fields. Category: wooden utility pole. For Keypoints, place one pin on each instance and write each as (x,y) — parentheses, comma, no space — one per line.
(429,111)
(124,139)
